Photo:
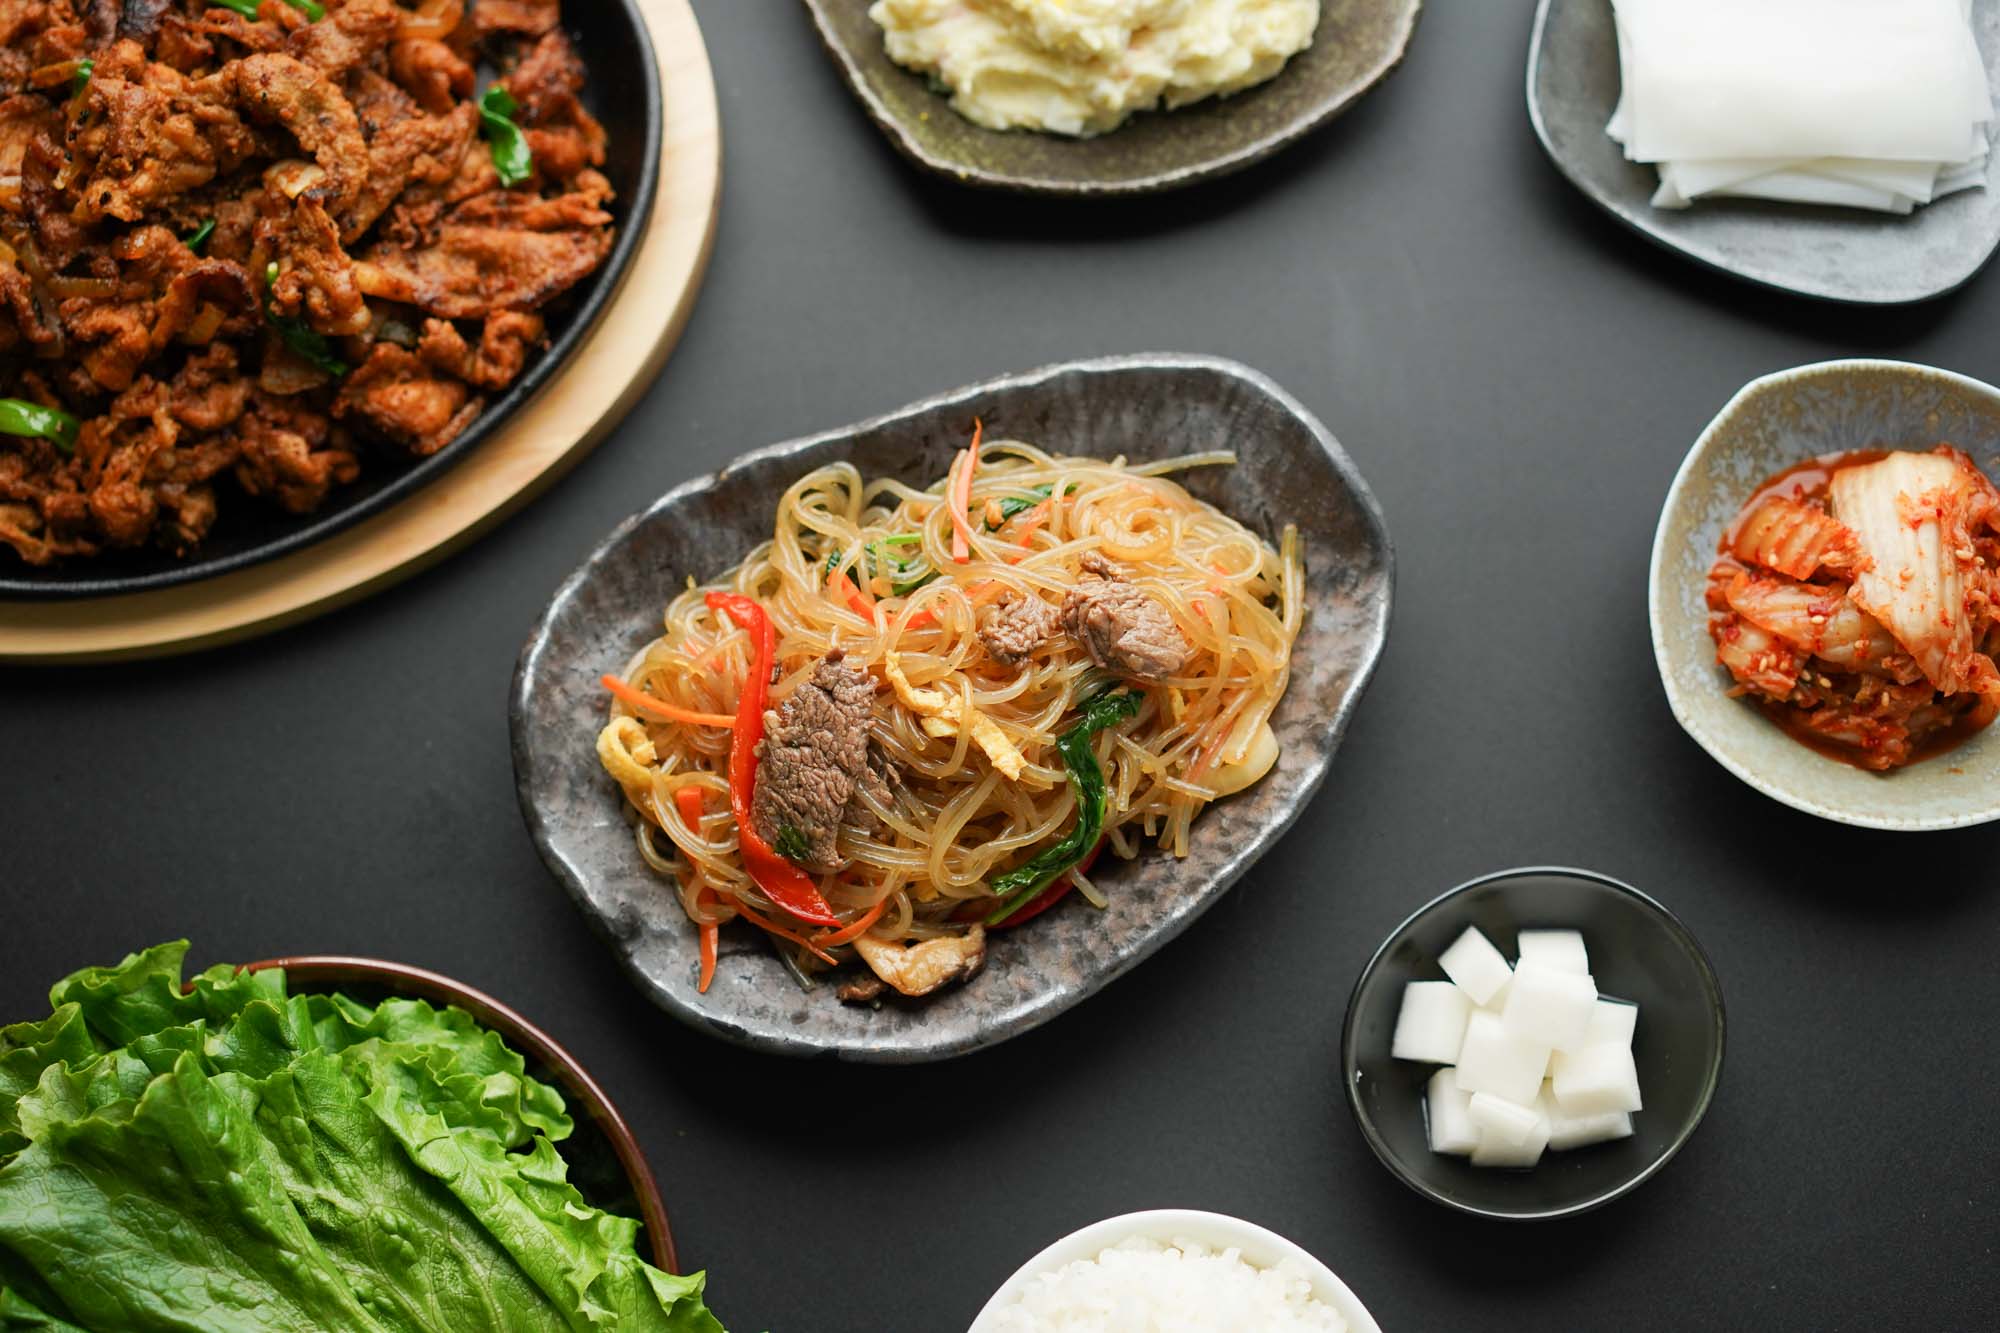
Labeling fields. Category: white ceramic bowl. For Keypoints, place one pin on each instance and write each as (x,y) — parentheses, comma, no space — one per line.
(1772,423)
(1259,1247)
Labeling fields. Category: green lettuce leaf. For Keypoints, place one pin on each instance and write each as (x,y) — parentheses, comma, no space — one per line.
(168,1214)
(223,1156)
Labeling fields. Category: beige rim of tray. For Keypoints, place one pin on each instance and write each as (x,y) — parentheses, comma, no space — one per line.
(606,375)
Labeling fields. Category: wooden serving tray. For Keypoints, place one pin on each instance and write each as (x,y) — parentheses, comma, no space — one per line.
(614,365)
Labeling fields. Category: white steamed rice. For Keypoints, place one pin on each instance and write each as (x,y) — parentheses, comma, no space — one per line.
(1142,1286)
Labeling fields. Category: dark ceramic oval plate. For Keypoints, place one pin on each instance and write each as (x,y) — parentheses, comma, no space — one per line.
(1838,254)
(604,1160)
(1291,470)
(1357,44)
(1639,951)
(624,93)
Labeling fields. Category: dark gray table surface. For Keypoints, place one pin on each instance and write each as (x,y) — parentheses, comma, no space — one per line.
(1518,378)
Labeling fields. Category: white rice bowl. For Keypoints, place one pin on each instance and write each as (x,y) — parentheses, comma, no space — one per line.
(1143,1286)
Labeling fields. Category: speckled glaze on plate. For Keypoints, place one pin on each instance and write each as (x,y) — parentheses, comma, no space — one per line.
(1769,425)
(1148,406)
(1839,254)
(1357,44)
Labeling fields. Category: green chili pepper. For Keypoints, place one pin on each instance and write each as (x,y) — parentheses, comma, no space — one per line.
(1029,878)
(18,416)
(308,343)
(197,238)
(511,157)
(81,79)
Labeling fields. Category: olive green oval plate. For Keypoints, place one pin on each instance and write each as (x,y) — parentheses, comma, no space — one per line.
(1356,46)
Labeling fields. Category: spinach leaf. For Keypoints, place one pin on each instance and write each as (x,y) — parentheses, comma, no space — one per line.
(1029,878)
(1021,504)
(792,845)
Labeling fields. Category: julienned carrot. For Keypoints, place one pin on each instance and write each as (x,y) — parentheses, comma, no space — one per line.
(856,603)
(688,800)
(640,702)
(827,939)
(1032,520)
(774,928)
(960,497)
(709,931)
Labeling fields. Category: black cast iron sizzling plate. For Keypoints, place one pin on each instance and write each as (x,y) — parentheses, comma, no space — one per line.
(1290,470)
(624,92)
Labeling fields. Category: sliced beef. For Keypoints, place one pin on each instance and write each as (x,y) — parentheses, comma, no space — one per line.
(1014,629)
(813,755)
(1122,626)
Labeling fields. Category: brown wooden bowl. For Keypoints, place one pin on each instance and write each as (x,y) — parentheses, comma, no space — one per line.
(604,1157)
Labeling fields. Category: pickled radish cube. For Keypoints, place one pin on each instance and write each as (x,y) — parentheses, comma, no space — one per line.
(1612,1023)
(1475,966)
(1568,1132)
(1557,950)
(1509,1122)
(1447,1111)
(1548,1007)
(1431,1025)
(1492,1150)
(1597,1080)
(1494,1060)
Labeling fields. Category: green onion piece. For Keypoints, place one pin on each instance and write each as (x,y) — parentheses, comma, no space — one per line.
(197,238)
(18,416)
(81,79)
(248,8)
(1024,881)
(511,157)
(306,342)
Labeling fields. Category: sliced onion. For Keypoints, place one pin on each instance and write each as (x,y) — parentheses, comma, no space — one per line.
(436,19)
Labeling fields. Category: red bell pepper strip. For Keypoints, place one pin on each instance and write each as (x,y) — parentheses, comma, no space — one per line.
(1050,896)
(782,882)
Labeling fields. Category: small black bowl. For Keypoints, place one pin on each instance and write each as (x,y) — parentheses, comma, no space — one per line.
(1639,951)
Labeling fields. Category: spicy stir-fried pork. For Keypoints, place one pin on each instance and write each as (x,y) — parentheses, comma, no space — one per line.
(1859,603)
(242,241)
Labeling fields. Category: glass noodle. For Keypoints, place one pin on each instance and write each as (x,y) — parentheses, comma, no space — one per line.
(842,547)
